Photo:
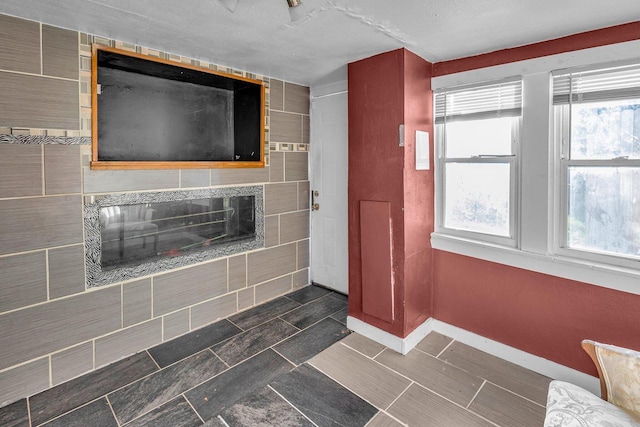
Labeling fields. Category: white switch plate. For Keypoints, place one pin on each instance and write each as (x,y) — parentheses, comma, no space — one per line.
(422,150)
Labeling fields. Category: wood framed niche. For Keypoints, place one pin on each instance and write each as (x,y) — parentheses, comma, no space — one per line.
(152,113)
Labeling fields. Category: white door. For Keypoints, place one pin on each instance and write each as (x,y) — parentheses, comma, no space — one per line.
(328,166)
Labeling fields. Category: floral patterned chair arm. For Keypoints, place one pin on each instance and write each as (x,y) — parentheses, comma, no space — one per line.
(619,371)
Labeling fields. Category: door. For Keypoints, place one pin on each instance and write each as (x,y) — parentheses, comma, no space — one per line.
(329,150)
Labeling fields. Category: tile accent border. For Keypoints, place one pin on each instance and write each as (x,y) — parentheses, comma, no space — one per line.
(44,139)
(97,277)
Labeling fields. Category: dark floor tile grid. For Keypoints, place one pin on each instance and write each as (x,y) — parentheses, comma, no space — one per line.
(225,368)
(72,394)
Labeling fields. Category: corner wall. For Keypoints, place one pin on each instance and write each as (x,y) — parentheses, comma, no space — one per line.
(51,328)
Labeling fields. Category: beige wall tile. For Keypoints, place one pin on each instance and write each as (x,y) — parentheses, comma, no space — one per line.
(23,280)
(271,231)
(20,41)
(72,362)
(175,324)
(304,195)
(20,170)
(195,178)
(58,324)
(136,302)
(276,166)
(237,272)
(99,181)
(280,198)
(276,94)
(271,263)
(182,288)
(300,278)
(306,130)
(296,166)
(59,52)
(285,127)
(128,341)
(296,98)
(38,102)
(24,380)
(294,226)
(273,288)
(239,176)
(66,271)
(210,311)
(36,223)
(246,298)
(303,254)
(62,169)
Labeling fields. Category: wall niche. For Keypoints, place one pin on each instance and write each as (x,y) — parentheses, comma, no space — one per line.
(152,113)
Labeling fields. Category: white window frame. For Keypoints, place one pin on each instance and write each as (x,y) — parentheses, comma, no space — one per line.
(513,160)
(561,130)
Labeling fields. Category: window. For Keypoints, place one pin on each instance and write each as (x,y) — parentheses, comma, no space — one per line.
(597,113)
(477,134)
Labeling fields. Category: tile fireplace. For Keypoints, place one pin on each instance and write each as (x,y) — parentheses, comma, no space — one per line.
(135,234)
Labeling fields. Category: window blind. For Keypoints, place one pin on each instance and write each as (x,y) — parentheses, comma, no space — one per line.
(481,101)
(589,85)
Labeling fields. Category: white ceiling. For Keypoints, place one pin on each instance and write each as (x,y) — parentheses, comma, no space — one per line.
(259,36)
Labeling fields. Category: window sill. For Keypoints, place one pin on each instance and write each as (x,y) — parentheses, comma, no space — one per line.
(607,276)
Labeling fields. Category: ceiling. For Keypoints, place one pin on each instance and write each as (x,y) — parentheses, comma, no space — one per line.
(260,37)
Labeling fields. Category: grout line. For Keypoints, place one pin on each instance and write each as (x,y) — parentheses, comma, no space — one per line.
(29,410)
(153,360)
(514,393)
(41,51)
(106,397)
(291,404)
(43,171)
(283,356)
(220,358)
(403,392)
(222,420)
(50,372)
(184,396)
(477,392)
(444,349)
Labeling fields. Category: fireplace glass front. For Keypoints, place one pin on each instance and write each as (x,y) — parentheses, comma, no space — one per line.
(135,233)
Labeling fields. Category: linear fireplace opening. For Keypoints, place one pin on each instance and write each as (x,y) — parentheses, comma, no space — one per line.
(133,234)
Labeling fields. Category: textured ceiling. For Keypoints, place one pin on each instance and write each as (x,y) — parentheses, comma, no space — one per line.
(260,37)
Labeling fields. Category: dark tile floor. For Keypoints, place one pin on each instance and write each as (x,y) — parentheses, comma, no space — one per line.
(247,370)
(292,362)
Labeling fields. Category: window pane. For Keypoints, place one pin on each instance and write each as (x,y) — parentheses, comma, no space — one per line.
(475,137)
(604,209)
(604,130)
(477,197)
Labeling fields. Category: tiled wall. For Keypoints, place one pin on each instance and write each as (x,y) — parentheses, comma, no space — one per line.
(52,328)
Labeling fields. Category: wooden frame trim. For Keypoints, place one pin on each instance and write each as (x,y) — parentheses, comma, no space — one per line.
(590,348)
(115,165)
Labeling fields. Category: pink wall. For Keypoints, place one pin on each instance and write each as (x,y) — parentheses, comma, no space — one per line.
(385,91)
(541,314)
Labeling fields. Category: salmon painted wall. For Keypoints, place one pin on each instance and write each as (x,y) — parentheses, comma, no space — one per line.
(418,193)
(380,90)
(544,315)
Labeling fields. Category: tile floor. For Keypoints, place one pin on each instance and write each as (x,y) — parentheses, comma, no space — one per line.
(292,362)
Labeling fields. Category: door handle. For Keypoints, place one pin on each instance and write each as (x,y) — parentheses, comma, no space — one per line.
(314,206)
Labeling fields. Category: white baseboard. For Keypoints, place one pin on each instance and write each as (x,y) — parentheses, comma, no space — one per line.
(401,345)
(511,354)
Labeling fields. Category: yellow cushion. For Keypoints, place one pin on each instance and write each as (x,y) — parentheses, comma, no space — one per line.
(621,373)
